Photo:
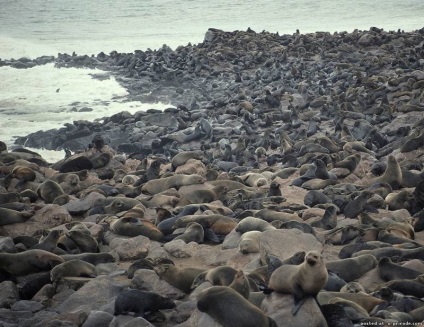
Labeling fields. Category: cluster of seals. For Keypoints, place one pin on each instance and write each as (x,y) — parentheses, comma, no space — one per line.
(332,156)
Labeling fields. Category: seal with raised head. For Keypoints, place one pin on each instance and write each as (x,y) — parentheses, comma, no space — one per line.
(229,308)
(306,279)
(392,175)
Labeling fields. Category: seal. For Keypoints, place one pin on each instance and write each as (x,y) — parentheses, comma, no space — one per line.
(302,280)
(93,258)
(49,243)
(241,284)
(229,308)
(328,220)
(22,173)
(335,315)
(140,302)
(388,270)
(203,196)
(218,276)
(366,301)
(352,287)
(130,226)
(350,162)
(130,179)
(357,205)
(249,242)
(251,224)
(49,190)
(219,224)
(352,268)
(155,186)
(85,242)
(399,200)
(8,216)
(392,175)
(179,278)
(9,197)
(72,268)
(182,157)
(27,262)
(194,233)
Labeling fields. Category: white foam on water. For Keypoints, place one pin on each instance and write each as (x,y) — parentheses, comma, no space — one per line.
(45,97)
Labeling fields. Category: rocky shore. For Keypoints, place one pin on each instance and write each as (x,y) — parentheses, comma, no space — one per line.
(303,149)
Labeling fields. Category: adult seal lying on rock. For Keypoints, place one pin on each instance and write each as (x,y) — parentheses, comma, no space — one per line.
(229,308)
(129,226)
(179,278)
(8,216)
(302,280)
(28,262)
(72,268)
(155,186)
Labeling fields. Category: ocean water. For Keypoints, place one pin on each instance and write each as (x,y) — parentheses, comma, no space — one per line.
(28,98)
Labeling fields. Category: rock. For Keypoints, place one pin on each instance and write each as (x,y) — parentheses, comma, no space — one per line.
(98,319)
(232,240)
(9,294)
(92,295)
(14,317)
(25,305)
(283,243)
(278,307)
(79,207)
(7,245)
(179,249)
(131,248)
(148,280)
(51,215)
(200,319)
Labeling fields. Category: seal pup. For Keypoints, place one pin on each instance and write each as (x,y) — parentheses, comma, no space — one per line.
(49,190)
(140,302)
(302,280)
(231,309)
(194,233)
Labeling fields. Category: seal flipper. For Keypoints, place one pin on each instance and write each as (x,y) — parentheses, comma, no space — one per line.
(299,298)
(210,236)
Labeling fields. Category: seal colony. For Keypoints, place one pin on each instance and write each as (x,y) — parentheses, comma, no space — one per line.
(287,160)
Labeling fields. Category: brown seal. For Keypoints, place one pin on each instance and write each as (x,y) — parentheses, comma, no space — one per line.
(179,278)
(249,242)
(366,301)
(49,243)
(251,223)
(129,226)
(8,216)
(194,233)
(155,186)
(352,268)
(392,175)
(182,157)
(49,190)
(219,224)
(302,280)
(203,196)
(140,302)
(28,262)
(72,268)
(229,308)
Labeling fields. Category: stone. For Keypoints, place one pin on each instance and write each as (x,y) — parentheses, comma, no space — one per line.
(98,319)
(148,280)
(9,294)
(179,249)
(92,295)
(79,207)
(7,245)
(25,305)
(131,248)
(51,215)
(278,306)
(200,319)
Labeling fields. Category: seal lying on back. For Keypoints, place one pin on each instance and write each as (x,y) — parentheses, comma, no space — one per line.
(308,278)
